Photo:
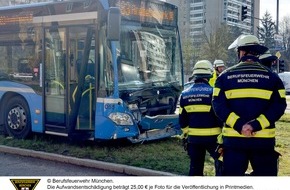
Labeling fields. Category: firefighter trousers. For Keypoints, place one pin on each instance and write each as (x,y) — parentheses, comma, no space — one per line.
(197,154)
(264,162)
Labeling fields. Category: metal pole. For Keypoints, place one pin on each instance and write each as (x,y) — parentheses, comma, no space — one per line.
(277,29)
(277,19)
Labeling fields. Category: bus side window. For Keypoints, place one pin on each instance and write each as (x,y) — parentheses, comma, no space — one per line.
(23,66)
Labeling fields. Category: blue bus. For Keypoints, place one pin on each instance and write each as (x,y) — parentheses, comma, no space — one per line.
(90,69)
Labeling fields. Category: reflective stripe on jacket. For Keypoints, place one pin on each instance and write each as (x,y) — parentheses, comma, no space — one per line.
(204,131)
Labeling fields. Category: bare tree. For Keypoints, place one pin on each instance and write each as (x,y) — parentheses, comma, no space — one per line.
(216,44)
(284,30)
(188,55)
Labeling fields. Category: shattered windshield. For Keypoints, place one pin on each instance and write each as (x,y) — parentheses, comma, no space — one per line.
(148,55)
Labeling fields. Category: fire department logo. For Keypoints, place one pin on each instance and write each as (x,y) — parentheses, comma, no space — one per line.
(25,184)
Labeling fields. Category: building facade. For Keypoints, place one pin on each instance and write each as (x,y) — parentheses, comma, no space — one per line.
(199,16)
(17,2)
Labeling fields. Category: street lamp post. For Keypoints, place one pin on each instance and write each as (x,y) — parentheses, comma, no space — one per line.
(277,19)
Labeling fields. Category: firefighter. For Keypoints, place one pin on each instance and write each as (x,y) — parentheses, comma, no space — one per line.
(219,67)
(249,98)
(268,59)
(197,119)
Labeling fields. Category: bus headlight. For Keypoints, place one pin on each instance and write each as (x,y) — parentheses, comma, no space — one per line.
(121,118)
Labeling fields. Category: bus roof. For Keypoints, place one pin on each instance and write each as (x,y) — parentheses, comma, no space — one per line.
(22,6)
(47,12)
(49,5)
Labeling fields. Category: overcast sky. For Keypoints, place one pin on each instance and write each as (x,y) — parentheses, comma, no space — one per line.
(271,7)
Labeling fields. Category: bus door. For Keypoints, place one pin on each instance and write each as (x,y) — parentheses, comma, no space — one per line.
(69,79)
(82,77)
(55,74)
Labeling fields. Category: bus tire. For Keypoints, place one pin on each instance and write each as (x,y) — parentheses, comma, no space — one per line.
(17,118)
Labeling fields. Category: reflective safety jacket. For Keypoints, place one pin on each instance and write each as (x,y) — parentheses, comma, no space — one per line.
(249,93)
(196,116)
(213,78)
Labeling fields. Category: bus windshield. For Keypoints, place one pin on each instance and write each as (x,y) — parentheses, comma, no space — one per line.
(148,54)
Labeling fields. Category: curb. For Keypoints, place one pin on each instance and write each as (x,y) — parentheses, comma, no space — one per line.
(118,168)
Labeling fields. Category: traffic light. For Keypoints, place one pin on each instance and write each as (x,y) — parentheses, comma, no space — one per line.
(244,10)
(281,66)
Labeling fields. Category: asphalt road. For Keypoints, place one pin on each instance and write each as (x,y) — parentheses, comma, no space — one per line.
(23,162)
(15,165)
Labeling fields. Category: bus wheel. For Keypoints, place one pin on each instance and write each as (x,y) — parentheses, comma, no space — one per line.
(17,118)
